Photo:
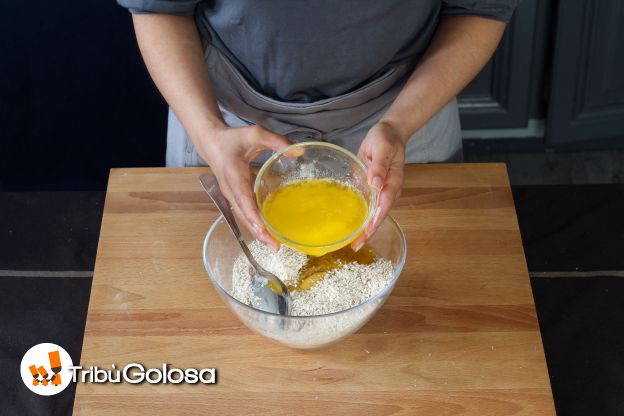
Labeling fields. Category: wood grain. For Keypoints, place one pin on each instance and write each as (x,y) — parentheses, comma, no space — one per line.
(458,335)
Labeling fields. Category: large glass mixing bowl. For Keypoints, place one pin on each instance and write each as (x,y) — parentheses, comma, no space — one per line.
(221,251)
(313,160)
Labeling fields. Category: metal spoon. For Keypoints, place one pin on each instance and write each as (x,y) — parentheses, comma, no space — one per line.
(270,293)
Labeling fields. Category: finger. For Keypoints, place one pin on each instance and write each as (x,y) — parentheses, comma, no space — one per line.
(255,227)
(240,218)
(388,195)
(295,151)
(240,185)
(379,214)
(380,162)
(364,156)
(357,244)
(263,139)
(385,201)
(273,141)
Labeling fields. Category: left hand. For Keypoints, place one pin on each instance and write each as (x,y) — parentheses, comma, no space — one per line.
(383,152)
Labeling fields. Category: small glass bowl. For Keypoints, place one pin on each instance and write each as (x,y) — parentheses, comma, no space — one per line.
(313,160)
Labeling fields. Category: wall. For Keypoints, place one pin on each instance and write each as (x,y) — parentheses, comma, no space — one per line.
(75,98)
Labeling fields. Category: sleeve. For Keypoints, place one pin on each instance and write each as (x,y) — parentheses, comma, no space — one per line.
(494,9)
(179,7)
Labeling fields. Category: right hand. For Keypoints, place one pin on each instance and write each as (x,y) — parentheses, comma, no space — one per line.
(229,151)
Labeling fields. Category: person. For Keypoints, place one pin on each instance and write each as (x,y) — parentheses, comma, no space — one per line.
(243,77)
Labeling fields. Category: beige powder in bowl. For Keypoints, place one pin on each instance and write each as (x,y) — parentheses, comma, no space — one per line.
(348,285)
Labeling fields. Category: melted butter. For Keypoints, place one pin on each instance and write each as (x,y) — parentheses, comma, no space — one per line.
(314,214)
(317,267)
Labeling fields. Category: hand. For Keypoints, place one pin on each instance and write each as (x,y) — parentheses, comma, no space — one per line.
(229,151)
(383,152)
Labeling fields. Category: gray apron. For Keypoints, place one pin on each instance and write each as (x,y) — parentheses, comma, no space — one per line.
(343,120)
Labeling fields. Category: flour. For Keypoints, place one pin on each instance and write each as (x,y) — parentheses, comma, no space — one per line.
(346,286)
(343,288)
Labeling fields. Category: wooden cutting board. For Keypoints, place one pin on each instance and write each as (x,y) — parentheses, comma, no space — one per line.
(458,335)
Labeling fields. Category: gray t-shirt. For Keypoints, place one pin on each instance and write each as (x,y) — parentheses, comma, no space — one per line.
(304,51)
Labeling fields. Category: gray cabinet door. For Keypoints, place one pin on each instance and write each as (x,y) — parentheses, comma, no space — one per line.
(587,89)
(499,96)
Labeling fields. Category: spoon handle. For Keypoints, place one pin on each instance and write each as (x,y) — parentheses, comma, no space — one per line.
(210,184)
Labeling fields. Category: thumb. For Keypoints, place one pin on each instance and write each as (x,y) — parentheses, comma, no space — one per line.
(274,141)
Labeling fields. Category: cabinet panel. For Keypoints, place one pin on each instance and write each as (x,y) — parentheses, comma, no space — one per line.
(499,96)
(587,96)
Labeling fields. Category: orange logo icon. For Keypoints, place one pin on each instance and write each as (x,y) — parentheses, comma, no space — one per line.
(55,366)
(46,379)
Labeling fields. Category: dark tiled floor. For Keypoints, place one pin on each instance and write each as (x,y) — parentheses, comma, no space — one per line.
(49,230)
(572,227)
(564,228)
(582,325)
(34,310)
(44,232)
(576,228)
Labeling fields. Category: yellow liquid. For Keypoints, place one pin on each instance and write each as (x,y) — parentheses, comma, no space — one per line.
(316,267)
(315,212)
